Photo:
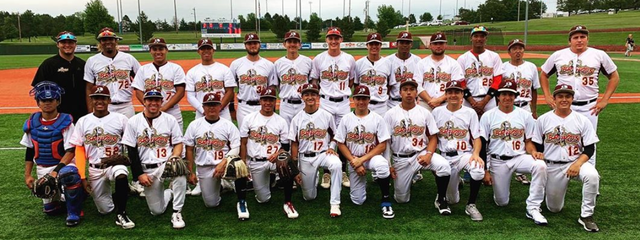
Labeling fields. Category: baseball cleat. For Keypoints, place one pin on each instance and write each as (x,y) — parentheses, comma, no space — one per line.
(243,211)
(188,192)
(290,210)
(73,220)
(176,220)
(443,207)
(196,190)
(536,216)
(522,179)
(588,224)
(345,180)
(123,221)
(335,210)
(326,181)
(387,210)
(473,212)
(416,178)
(136,188)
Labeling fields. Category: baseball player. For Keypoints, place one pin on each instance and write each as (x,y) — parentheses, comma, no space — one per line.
(253,73)
(629,45)
(459,143)
(579,67)
(374,72)
(208,141)
(508,131)
(113,69)
(95,136)
(46,137)
(482,72)
(403,66)
(334,71)
(310,134)
(66,70)
(362,137)
(264,135)
(413,145)
(567,140)
(435,71)
(161,74)
(292,71)
(152,137)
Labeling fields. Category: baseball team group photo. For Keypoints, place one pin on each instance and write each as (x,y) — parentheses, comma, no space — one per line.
(485,123)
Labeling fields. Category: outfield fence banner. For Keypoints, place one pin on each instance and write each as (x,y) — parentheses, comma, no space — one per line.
(124,48)
(347,45)
(83,48)
(278,46)
(305,46)
(231,46)
(319,45)
(182,47)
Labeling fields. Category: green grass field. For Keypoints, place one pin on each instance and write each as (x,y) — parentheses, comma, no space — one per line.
(22,218)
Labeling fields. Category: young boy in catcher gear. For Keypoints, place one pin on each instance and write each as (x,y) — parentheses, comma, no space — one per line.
(310,133)
(459,143)
(568,140)
(264,135)
(508,131)
(152,137)
(96,136)
(362,138)
(374,71)
(209,140)
(292,71)
(413,145)
(47,136)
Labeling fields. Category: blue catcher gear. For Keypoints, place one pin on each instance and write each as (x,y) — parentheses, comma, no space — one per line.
(46,90)
(73,193)
(47,139)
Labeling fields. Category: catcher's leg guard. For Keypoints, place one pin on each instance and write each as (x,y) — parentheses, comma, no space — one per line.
(73,192)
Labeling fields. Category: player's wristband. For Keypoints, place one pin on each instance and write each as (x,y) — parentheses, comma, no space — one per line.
(467,93)
(332,145)
(429,152)
(59,166)
(492,92)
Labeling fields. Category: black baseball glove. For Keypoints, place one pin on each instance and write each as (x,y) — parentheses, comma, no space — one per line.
(45,187)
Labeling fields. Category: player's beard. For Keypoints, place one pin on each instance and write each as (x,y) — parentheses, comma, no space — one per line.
(255,53)
(437,53)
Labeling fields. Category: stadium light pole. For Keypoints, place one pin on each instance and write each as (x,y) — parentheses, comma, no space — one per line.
(526,21)
(140,21)
(175,16)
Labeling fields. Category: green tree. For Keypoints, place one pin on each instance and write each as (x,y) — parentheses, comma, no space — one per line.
(570,6)
(28,25)
(251,22)
(163,25)
(439,17)
(468,15)
(127,24)
(314,28)
(346,25)
(382,28)
(390,16)
(357,24)
(97,17)
(279,26)
(75,23)
(148,27)
(426,17)
(369,24)
(412,18)
(184,26)
(9,29)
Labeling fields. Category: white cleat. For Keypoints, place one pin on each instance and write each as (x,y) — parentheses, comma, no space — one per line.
(326,181)
(387,211)
(243,211)
(536,216)
(335,210)
(290,210)
(123,221)
(196,190)
(345,180)
(473,212)
(176,220)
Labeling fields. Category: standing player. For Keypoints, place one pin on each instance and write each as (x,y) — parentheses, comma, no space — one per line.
(413,145)
(482,72)
(47,136)
(96,136)
(334,71)
(579,67)
(166,76)
(264,136)
(435,71)
(508,131)
(459,143)
(66,70)
(373,71)
(567,140)
(152,137)
(208,141)
(292,71)
(253,73)
(114,70)
(404,65)
(310,133)
(630,45)
(362,137)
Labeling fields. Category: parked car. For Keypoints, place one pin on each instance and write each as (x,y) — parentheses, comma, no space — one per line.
(435,23)
(423,24)
(460,23)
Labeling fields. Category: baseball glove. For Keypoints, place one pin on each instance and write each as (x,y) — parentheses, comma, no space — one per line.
(286,167)
(116,159)
(236,168)
(175,167)
(45,187)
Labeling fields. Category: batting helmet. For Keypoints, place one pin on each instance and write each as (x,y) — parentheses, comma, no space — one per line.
(46,90)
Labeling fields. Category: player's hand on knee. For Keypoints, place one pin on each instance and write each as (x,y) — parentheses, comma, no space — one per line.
(332,152)
(86,186)
(298,179)
(392,173)
(145,180)
(220,169)
(477,161)
(28,180)
(355,163)
(487,180)
(574,169)
(597,109)
(537,155)
(193,180)
(361,171)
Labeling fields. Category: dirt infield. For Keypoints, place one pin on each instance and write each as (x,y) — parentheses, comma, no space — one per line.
(16,83)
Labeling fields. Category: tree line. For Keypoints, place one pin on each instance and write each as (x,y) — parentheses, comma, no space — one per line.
(589,6)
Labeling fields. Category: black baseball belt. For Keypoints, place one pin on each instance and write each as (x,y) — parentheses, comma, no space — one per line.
(118,103)
(406,155)
(293,101)
(250,103)
(555,162)
(340,99)
(582,103)
(397,99)
(450,154)
(259,159)
(312,154)
(374,102)
(98,166)
(502,157)
(521,104)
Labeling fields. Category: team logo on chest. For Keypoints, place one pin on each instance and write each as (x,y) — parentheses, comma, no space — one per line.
(359,135)
(334,74)
(402,74)
(292,77)
(523,83)
(310,132)
(371,78)
(151,139)
(208,141)
(437,77)
(208,84)
(405,128)
(252,78)
(506,133)
(449,131)
(157,80)
(580,70)
(561,137)
(98,138)
(262,136)
(110,74)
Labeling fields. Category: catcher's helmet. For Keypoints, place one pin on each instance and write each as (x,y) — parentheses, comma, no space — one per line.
(46,90)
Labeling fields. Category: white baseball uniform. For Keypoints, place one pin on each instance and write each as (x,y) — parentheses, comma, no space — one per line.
(479,71)
(564,140)
(456,133)
(376,76)
(292,74)
(166,77)
(310,131)
(154,140)
(212,142)
(361,135)
(506,134)
(334,74)
(117,74)
(409,140)
(264,134)
(203,79)
(435,75)
(100,138)
(526,76)
(251,78)
(401,70)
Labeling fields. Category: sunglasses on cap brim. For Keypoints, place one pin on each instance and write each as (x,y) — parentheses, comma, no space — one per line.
(67,36)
